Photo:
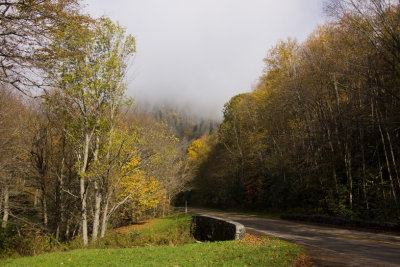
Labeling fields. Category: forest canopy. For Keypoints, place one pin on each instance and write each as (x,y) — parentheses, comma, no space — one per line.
(319,134)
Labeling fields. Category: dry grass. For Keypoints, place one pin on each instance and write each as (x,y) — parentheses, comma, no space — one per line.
(130,228)
(302,260)
(254,241)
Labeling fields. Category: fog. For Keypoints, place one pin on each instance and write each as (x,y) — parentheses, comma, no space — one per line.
(200,53)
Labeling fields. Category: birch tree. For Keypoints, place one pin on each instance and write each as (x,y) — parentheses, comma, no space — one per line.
(91,79)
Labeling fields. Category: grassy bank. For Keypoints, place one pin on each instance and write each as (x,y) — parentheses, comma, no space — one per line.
(174,230)
(167,242)
(169,231)
(252,251)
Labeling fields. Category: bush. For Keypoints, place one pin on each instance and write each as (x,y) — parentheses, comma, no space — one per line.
(25,242)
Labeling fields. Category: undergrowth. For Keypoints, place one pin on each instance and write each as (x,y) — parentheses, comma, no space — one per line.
(173,231)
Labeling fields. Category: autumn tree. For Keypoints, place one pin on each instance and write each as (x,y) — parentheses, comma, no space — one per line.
(91,79)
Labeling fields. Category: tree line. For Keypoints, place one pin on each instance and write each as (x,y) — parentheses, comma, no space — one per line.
(185,125)
(75,157)
(319,133)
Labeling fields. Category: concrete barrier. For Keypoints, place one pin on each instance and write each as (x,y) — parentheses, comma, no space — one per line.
(206,228)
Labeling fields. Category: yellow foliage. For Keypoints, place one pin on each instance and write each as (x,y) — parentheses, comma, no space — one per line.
(142,190)
(296,124)
(132,164)
(199,150)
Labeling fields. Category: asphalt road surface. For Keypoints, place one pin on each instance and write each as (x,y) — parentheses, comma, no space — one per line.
(327,246)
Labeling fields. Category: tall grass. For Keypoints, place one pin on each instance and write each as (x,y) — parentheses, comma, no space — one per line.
(170,231)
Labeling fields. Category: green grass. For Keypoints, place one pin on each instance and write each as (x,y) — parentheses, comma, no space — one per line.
(229,253)
(167,242)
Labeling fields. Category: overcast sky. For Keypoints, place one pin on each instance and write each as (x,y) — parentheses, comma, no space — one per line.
(200,53)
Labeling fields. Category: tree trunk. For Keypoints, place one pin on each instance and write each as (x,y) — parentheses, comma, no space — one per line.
(381,177)
(59,200)
(393,159)
(57,235)
(332,160)
(6,208)
(105,192)
(1,200)
(97,197)
(83,211)
(83,193)
(67,228)
(364,169)
(387,159)
(104,220)
(347,159)
(96,219)
(44,204)
(169,204)
(364,180)
(77,228)
(36,199)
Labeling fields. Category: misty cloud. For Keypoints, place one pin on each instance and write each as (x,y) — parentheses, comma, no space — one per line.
(200,53)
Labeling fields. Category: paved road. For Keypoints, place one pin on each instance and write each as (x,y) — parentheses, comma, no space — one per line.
(327,246)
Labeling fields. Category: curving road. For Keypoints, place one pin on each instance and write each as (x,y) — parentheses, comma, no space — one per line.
(327,246)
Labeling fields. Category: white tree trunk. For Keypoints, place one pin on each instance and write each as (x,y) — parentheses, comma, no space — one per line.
(83,193)
(97,197)
(67,228)
(6,208)
(83,211)
(96,219)
(60,199)
(35,201)
(104,220)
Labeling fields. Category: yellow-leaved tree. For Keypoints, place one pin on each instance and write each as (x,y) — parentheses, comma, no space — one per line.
(138,191)
(198,151)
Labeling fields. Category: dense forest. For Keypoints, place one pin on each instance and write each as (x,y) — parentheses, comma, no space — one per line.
(319,133)
(185,125)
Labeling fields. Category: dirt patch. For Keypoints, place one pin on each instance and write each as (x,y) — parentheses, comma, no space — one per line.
(254,241)
(302,261)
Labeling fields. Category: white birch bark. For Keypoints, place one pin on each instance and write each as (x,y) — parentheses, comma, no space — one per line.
(6,208)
